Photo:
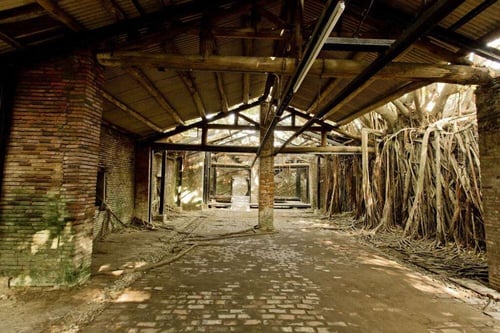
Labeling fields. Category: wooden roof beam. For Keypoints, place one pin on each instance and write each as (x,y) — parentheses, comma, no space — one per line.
(201,123)
(124,107)
(59,14)
(150,87)
(286,66)
(112,7)
(190,83)
(222,92)
(10,40)
(253,149)
(249,33)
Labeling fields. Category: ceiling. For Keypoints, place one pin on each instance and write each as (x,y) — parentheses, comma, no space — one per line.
(147,96)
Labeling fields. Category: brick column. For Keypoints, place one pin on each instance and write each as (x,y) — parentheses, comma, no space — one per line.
(142,183)
(266,172)
(488,113)
(48,195)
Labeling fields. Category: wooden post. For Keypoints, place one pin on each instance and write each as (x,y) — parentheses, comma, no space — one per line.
(163,180)
(266,171)
(206,178)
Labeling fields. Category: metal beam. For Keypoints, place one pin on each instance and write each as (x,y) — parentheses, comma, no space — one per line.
(201,123)
(422,25)
(322,29)
(466,43)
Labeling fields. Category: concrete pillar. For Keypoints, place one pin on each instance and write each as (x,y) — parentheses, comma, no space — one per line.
(47,198)
(266,171)
(488,114)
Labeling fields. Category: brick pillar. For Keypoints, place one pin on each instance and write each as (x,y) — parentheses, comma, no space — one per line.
(48,195)
(488,114)
(266,172)
(142,183)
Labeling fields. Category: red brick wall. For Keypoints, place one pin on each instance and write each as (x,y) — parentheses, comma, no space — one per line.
(48,194)
(141,210)
(117,159)
(488,113)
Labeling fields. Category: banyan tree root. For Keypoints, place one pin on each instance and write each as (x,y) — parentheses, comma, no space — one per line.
(431,184)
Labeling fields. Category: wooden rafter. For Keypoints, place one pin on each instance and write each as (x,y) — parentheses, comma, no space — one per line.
(138,7)
(249,33)
(59,14)
(10,40)
(201,123)
(286,66)
(190,83)
(272,18)
(151,88)
(283,128)
(113,8)
(124,107)
(329,90)
(222,92)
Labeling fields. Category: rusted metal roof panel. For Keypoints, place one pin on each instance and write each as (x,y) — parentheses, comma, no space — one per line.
(89,13)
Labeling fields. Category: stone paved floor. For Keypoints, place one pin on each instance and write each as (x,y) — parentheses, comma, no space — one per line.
(301,279)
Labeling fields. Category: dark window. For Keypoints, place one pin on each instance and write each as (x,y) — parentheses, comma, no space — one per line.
(100,196)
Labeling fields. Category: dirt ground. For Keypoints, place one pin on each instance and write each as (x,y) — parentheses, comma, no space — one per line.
(305,278)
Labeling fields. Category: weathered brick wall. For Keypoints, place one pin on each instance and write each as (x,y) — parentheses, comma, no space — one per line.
(117,159)
(488,113)
(48,195)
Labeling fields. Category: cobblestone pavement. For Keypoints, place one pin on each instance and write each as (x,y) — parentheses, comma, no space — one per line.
(302,279)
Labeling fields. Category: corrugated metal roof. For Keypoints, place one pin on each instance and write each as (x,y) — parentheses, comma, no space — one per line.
(164,35)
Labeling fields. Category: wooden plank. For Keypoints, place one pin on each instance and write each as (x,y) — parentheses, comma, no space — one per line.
(124,107)
(461,74)
(150,87)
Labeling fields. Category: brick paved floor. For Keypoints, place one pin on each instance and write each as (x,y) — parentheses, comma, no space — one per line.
(299,280)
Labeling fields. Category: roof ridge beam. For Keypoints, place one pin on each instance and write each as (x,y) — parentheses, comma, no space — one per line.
(463,74)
